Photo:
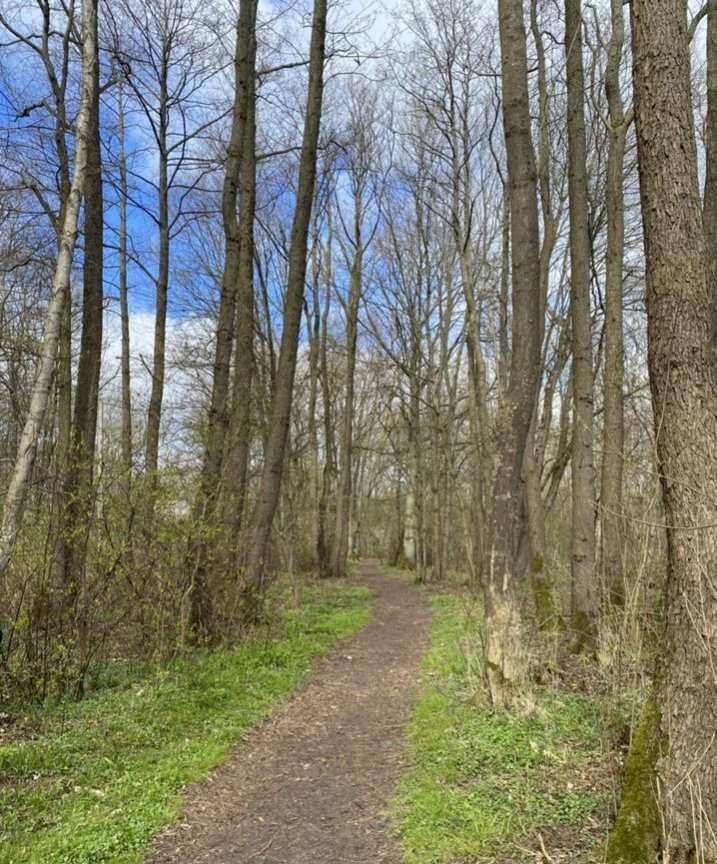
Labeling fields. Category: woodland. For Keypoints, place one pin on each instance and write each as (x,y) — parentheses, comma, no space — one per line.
(319,313)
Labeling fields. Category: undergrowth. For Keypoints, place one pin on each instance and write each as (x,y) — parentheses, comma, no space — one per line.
(489,786)
(95,781)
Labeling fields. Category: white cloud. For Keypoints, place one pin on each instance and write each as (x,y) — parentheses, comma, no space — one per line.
(189,354)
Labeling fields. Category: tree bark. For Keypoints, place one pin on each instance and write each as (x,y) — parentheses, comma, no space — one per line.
(236,463)
(582,564)
(219,484)
(505,663)
(322,551)
(547,613)
(669,804)
(313,326)
(613,408)
(80,471)
(710,192)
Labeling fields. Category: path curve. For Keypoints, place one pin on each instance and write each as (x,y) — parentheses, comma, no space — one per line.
(311,784)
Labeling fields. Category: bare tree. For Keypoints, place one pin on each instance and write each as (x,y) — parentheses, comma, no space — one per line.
(361,168)
(80,473)
(583,585)
(503,647)
(237,279)
(20,479)
(293,307)
(611,515)
(167,53)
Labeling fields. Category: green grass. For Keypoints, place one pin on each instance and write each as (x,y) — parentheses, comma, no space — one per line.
(101,778)
(485,782)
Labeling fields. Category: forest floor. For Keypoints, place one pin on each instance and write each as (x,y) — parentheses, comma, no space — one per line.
(534,784)
(387,753)
(95,781)
(313,783)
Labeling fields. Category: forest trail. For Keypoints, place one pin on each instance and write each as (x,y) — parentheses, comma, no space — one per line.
(311,784)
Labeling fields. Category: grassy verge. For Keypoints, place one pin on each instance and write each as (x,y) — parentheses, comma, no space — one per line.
(96,781)
(486,786)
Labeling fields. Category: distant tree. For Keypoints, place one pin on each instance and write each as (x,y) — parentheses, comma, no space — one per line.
(362,166)
(169,59)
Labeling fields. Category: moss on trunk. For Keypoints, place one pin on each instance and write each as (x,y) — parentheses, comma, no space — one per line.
(635,839)
(546,610)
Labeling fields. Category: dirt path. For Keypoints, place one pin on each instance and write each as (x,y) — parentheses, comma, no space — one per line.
(310,785)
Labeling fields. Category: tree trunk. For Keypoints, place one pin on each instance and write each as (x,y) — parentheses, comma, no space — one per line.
(313,322)
(126,385)
(218,484)
(710,193)
(80,474)
(548,615)
(339,549)
(154,411)
(669,804)
(410,528)
(236,462)
(505,663)
(583,585)
(322,552)
(20,479)
(614,420)
(63,446)
(293,305)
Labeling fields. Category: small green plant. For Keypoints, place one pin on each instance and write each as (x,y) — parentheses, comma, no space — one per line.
(484,783)
(97,780)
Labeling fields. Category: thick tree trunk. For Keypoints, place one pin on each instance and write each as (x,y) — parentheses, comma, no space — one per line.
(583,583)
(505,663)
(547,613)
(293,306)
(20,479)
(710,193)
(669,805)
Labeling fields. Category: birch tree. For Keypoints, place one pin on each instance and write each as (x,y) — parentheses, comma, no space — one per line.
(20,479)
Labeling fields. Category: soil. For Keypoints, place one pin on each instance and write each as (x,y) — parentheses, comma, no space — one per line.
(312,783)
